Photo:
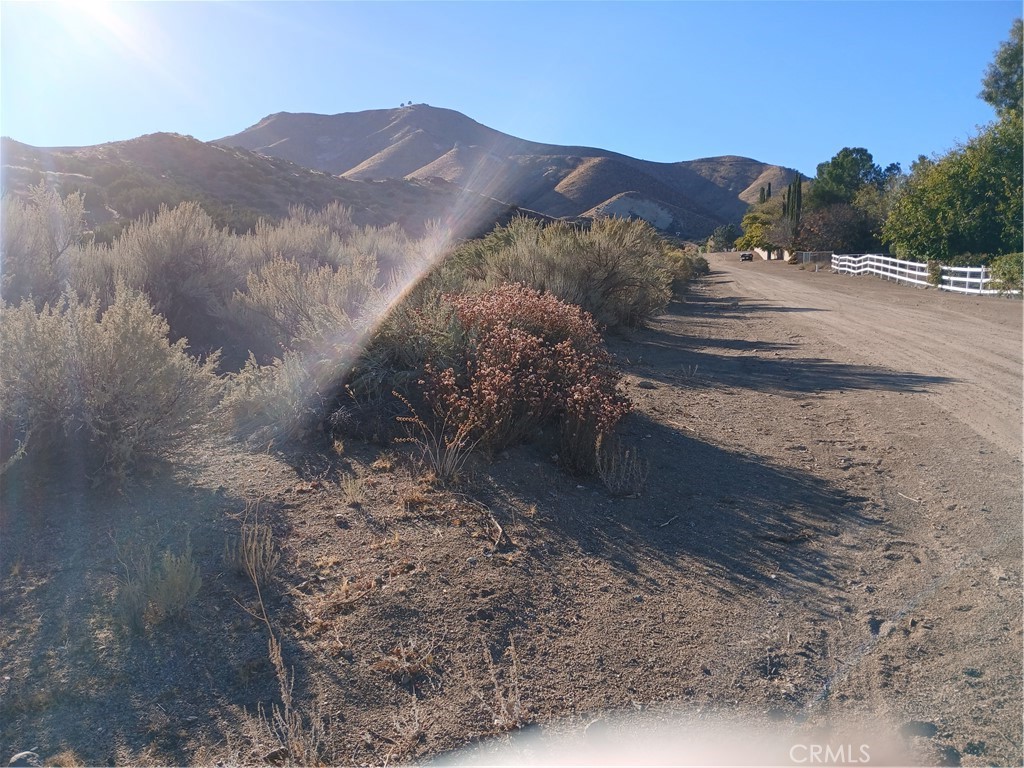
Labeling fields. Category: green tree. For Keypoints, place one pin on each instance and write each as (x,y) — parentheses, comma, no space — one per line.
(839,179)
(842,228)
(1003,86)
(969,201)
(759,226)
(723,238)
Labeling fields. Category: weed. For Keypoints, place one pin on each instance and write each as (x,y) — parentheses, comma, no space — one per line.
(621,469)
(408,663)
(156,592)
(130,604)
(353,488)
(177,583)
(66,758)
(507,709)
(302,740)
(253,553)
(385,462)
(408,731)
(444,450)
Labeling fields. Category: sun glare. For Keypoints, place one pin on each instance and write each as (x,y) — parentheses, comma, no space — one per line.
(113,39)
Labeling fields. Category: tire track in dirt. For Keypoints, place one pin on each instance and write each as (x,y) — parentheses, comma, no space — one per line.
(913,613)
(900,327)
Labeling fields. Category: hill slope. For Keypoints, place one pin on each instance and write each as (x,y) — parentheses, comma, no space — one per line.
(421,142)
(126,179)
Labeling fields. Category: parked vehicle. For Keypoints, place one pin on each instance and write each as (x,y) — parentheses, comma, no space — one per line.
(746,257)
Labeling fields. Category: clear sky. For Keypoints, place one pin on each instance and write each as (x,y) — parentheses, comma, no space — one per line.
(790,83)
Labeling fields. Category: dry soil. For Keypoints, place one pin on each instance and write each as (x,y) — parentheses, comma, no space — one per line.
(827,555)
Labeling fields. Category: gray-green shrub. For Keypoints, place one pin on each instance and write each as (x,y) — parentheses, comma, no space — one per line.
(616,269)
(284,305)
(187,267)
(686,266)
(105,382)
(37,237)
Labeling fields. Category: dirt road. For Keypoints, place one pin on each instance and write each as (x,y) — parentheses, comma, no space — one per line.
(854,445)
(969,348)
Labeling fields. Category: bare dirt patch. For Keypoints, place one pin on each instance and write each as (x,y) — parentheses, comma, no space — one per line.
(828,536)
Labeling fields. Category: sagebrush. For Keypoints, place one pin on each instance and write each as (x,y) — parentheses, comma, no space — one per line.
(105,383)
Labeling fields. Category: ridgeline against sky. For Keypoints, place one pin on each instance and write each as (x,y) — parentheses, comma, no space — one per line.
(787,83)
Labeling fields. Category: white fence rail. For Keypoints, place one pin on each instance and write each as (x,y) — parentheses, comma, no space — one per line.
(959,279)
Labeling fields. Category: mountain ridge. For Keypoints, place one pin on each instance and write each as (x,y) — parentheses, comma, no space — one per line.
(420,142)
(123,180)
(407,166)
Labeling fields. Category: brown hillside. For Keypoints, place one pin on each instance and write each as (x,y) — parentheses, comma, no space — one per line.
(421,141)
(124,180)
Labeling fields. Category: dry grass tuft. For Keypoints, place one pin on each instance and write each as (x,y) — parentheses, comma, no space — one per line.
(353,489)
(504,705)
(408,663)
(253,553)
(156,592)
(445,449)
(622,470)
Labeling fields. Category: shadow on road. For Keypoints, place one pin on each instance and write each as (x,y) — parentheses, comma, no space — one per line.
(663,354)
(749,524)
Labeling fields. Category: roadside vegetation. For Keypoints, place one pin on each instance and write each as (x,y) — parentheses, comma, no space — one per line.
(124,351)
(122,361)
(959,209)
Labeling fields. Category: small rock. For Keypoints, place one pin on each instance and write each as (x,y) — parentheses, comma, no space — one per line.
(471,560)
(276,756)
(919,728)
(24,759)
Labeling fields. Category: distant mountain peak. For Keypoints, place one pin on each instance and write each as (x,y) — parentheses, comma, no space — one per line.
(688,199)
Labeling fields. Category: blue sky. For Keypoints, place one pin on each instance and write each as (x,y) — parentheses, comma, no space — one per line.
(783,82)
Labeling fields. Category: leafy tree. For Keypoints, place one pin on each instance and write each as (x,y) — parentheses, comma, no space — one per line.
(1003,86)
(969,201)
(759,226)
(723,238)
(842,227)
(839,179)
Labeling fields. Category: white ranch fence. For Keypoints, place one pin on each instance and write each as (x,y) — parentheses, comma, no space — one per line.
(959,279)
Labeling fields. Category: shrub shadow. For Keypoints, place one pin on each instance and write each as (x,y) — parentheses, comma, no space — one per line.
(92,684)
(665,355)
(738,519)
